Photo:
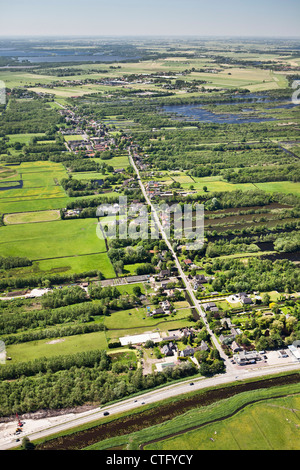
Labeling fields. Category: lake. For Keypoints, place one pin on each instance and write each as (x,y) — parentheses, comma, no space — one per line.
(67,55)
(196,112)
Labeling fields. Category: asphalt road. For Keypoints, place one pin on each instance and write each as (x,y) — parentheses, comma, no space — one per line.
(180,270)
(146,398)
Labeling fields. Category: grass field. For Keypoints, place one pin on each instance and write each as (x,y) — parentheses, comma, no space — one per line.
(280,187)
(214,183)
(22,138)
(78,264)
(119,323)
(69,138)
(137,318)
(270,425)
(47,240)
(120,161)
(40,188)
(58,346)
(31,217)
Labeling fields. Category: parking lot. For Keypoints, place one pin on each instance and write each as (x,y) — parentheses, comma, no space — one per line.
(280,357)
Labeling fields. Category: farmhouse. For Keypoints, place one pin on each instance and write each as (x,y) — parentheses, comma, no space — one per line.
(200,278)
(164,274)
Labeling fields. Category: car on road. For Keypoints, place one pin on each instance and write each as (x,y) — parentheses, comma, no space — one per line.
(106,413)
(192,383)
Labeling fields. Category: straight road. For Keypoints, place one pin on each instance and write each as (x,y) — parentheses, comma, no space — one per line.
(178,265)
(64,423)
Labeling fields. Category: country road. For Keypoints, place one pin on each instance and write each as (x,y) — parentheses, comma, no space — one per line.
(180,270)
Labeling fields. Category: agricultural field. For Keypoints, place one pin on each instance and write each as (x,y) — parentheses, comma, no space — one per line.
(48,240)
(31,217)
(38,186)
(254,428)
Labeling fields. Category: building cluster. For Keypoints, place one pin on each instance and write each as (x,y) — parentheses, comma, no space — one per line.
(99,140)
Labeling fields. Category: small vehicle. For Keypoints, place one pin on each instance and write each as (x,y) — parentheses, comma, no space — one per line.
(143,402)
(192,383)
(106,413)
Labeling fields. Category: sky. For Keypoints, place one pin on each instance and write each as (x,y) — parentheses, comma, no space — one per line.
(256,18)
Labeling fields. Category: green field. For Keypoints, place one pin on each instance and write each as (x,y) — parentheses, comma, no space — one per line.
(31,217)
(119,161)
(23,138)
(270,425)
(57,346)
(57,239)
(287,187)
(215,184)
(118,324)
(78,264)
(133,321)
(40,191)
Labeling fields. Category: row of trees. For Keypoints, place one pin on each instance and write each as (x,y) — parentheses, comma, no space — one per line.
(73,385)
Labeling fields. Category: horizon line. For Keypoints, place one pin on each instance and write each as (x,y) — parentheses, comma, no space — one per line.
(49,35)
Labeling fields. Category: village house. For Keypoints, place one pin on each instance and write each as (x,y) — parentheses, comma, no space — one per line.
(168,349)
(164,274)
(165,305)
(157,311)
(188,351)
(244,298)
(188,262)
(210,307)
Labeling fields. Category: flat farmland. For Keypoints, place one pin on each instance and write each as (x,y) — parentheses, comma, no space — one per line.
(57,346)
(69,138)
(130,323)
(214,183)
(23,138)
(47,240)
(31,217)
(287,187)
(78,264)
(270,425)
(120,161)
(38,187)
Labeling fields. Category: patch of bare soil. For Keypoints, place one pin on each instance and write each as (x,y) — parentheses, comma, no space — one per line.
(54,341)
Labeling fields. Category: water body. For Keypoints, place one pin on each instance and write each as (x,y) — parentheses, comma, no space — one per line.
(196,112)
(75,58)
(17,185)
(61,56)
